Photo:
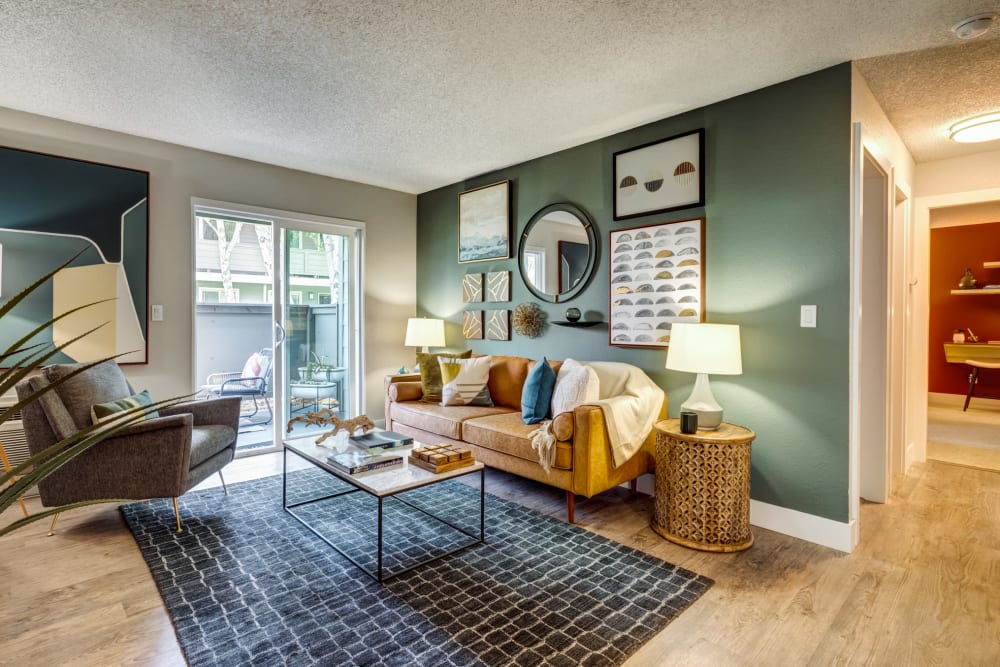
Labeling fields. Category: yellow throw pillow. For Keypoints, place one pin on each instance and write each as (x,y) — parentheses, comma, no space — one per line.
(430,373)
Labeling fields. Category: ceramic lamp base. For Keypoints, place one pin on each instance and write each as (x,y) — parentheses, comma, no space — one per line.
(703,402)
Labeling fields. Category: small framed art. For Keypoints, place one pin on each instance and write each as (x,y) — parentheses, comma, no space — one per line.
(657,278)
(664,175)
(484,223)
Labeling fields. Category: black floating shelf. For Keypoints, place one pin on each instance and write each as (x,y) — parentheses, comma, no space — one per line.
(589,323)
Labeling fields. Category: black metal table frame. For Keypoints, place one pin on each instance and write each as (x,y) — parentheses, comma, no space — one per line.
(378,574)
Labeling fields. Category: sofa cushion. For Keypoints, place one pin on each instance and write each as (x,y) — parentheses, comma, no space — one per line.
(507,375)
(508,434)
(430,373)
(207,441)
(103,411)
(405,391)
(465,381)
(576,384)
(445,421)
(99,384)
(536,399)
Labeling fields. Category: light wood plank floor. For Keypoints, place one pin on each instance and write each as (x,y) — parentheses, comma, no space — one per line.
(923,588)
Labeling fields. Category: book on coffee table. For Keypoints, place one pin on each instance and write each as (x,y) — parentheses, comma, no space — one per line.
(381,439)
(357,461)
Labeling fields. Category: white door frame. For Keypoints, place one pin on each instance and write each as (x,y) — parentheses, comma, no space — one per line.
(916,414)
(305,222)
(860,148)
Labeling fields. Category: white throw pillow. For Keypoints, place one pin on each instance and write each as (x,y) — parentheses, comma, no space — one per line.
(463,380)
(576,384)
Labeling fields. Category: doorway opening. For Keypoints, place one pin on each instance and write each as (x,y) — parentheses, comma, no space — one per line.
(277,317)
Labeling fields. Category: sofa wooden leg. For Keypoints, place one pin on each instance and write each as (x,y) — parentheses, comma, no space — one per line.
(633,486)
(570,506)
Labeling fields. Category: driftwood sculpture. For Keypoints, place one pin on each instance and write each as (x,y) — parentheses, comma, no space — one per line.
(325,417)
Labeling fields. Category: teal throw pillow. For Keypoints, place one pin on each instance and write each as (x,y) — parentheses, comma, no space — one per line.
(536,398)
(103,411)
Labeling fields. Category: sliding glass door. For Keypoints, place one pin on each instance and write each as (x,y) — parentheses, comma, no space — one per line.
(277,318)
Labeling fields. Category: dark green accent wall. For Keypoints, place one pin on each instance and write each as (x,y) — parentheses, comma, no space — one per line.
(777,236)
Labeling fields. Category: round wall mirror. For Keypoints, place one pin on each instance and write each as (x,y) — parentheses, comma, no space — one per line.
(558,252)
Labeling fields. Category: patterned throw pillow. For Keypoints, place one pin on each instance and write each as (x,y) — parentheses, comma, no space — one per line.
(430,373)
(536,398)
(103,411)
(576,384)
(464,381)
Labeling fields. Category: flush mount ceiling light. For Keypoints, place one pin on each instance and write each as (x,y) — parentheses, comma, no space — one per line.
(976,129)
(974,26)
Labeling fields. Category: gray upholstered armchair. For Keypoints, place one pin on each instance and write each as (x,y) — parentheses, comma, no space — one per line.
(162,457)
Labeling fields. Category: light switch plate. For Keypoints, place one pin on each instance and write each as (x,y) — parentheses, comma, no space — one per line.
(807,317)
(156,313)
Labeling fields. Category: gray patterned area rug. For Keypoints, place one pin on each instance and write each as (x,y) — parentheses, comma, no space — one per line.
(245,583)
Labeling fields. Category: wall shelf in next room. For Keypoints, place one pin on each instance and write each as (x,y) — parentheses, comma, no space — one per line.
(972,292)
(991,265)
(589,323)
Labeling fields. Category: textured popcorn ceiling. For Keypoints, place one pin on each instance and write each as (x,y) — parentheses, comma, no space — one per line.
(417,94)
(925,92)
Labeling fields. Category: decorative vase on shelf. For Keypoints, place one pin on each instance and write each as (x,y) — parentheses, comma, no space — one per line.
(968,281)
(573,314)
(958,336)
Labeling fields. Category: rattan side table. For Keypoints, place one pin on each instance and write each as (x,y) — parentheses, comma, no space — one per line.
(702,496)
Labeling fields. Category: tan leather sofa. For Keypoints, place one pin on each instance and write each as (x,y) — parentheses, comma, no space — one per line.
(499,437)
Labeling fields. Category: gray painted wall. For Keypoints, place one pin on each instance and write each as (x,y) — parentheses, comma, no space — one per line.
(177,174)
(778,230)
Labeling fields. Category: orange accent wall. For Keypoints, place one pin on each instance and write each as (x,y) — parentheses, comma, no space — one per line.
(952,250)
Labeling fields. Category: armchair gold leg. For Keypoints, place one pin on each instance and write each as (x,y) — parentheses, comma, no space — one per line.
(52,526)
(225,491)
(177,515)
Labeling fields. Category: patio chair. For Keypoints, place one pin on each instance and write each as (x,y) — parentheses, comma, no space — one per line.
(160,457)
(252,382)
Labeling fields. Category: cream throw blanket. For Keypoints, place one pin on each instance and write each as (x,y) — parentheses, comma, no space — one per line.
(631,404)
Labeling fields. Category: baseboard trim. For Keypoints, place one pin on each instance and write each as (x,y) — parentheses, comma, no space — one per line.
(808,527)
(955,400)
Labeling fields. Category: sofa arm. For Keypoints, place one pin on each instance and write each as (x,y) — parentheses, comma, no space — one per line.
(405,391)
(390,380)
(148,459)
(221,411)
(594,468)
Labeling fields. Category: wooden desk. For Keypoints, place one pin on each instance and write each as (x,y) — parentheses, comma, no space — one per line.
(957,353)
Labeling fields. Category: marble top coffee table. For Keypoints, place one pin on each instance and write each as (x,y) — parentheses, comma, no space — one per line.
(382,484)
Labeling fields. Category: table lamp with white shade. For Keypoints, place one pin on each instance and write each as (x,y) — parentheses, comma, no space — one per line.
(424,332)
(705,349)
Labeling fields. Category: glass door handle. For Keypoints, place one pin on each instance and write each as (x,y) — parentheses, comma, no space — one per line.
(279,334)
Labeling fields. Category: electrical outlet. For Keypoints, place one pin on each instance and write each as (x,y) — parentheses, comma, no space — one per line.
(156,313)
(807,317)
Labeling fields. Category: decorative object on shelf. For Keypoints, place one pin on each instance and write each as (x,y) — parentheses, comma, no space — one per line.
(498,324)
(664,175)
(103,209)
(325,417)
(472,288)
(573,314)
(472,324)
(558,252)
(972,336)
(967,281)
(528,320)
(657,275)
(958,336)
(498,286)
(705,349)
(484,223)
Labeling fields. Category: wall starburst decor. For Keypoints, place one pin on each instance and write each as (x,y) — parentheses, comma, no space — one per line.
(528,320)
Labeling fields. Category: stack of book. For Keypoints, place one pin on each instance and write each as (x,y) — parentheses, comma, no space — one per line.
(381,440)
(358,460)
